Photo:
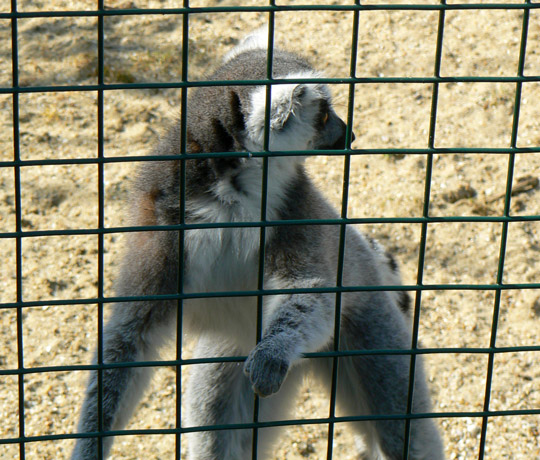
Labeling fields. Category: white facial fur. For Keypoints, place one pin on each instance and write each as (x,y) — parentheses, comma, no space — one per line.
(294,104)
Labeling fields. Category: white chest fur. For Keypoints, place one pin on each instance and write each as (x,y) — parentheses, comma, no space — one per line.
(222,260)
(227,259)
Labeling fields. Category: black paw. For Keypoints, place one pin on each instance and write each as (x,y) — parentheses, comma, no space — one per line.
(266,370)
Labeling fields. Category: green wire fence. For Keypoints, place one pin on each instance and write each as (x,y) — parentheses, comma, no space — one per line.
(184,13)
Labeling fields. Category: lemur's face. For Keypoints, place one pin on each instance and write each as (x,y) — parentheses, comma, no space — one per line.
(301,118)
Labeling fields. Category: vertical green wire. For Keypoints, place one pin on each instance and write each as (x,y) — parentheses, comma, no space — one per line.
(18,222)
(181,233)
(423,235)
(101,220)
(504,232)
(264,202)
(342,231)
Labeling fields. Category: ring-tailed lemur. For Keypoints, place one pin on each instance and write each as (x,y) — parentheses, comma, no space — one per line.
(228,189)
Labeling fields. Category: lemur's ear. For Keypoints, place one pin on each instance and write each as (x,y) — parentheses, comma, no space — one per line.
(227,130)
(223,140)
(285,100)
(238,121)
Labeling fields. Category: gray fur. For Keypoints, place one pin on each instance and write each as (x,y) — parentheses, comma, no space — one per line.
(297,256)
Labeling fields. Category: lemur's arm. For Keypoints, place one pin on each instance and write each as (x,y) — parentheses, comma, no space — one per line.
(294,324)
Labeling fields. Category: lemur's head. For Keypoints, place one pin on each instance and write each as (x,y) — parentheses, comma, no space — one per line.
(301,115)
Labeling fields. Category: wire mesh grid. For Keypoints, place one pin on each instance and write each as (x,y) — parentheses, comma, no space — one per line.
(184,13)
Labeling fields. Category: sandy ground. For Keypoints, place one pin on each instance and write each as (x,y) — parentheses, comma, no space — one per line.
(61,51)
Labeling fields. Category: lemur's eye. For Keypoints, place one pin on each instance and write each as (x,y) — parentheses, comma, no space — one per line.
(325,118)
(324,113)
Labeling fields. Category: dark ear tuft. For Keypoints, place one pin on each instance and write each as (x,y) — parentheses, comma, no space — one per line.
(238,121)
(223,140)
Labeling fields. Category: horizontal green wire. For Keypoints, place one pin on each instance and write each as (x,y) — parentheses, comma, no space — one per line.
(255,293)
(268,8)
(191,156)
(243,426)
(272,223)
(237,359)
(204,83)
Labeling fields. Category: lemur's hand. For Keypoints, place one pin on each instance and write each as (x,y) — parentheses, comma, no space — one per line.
(266,366)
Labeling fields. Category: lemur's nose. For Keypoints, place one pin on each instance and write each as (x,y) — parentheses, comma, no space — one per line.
(341,142)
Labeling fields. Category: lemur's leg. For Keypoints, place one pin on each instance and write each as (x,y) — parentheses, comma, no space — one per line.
(378,384)
(131,335)
(134,332)
(220,394)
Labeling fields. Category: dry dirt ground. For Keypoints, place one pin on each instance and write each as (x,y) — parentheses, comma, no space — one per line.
(63,51)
